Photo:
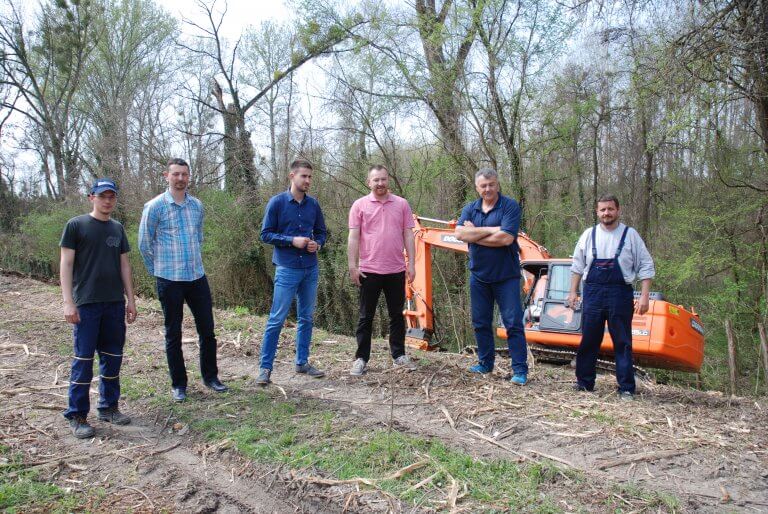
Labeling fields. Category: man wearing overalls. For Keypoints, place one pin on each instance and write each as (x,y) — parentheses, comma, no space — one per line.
(608,258)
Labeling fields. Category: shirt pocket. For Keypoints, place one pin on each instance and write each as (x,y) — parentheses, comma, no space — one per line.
(168,227)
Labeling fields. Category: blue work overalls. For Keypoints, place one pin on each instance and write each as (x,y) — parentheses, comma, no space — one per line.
(606,297)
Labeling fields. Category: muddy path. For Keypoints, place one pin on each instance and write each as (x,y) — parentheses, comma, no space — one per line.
(708,452)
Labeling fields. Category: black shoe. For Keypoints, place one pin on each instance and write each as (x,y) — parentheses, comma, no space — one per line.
(114,416)
(80,428)
(580,388)
(179,394)
(216,385)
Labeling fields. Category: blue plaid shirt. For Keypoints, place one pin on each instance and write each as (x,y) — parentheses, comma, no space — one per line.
(171,237)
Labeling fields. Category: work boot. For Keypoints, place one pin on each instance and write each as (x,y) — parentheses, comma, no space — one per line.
(114,416)
(309,370)
(358,368)
(263,378)
(80,427)
(405,362)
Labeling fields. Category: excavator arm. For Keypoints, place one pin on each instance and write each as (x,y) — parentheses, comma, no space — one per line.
(419,313)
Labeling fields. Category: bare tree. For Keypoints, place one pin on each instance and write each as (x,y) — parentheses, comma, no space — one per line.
(45,67)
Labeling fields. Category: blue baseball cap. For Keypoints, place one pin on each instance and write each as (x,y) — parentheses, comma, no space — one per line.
(103,184)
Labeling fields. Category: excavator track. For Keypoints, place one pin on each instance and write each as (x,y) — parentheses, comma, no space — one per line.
(565,356)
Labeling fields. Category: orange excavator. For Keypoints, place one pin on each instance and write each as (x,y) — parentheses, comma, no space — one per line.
(667,336)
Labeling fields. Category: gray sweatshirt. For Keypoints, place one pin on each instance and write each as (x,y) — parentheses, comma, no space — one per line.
(635,261)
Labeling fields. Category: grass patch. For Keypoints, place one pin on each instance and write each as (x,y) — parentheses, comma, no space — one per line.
(305,434)
(648,501)
(21,490)
(603,418)
(136,387)
(235,324)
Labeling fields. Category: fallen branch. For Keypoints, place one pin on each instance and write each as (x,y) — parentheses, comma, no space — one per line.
(367,481)
(553,458)
(448,416)
(152,505)
(163,450)
(638,457)
(432,377)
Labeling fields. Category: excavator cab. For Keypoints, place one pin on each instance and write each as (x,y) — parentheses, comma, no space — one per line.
(554,314)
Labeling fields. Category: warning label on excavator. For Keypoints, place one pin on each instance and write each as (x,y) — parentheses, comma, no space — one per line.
(674,310)
(448,238)
(636,332)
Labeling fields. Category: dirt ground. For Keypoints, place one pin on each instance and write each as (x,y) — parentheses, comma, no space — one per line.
(708,451)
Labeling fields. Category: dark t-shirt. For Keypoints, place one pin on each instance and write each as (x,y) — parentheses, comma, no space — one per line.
(98,246)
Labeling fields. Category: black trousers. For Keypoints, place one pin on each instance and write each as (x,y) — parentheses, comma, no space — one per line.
(197,294)
(393,285)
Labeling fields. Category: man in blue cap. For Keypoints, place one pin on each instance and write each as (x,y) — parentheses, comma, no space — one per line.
(98,297)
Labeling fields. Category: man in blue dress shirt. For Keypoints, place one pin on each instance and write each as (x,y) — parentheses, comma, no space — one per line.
(490,225)
(170,240)
(294,224)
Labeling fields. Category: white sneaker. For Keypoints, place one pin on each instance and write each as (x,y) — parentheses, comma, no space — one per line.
(358,368)
(405,362)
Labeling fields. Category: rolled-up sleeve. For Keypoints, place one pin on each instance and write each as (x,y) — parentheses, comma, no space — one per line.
(319,231)
(269,227)
(147,228)
(644,266)
(579,262)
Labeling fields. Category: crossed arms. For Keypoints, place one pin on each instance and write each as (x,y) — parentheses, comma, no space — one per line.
(492,237)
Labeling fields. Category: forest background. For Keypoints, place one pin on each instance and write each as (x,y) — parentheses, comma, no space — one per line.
(663,103)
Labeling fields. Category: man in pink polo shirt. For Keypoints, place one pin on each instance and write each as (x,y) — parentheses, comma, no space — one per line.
(380,226)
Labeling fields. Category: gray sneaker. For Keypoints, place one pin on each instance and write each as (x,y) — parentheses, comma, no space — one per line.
(114,416)
(310,370)
(626,396)
(358,368)
(405,362)
(263,378)
(80,428)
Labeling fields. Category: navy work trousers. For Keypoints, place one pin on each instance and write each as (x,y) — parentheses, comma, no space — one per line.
(612,304)
(101,330)
(506,294)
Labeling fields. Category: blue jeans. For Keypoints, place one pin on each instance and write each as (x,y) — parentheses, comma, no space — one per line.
(197,294)
(101,329)
(507,295)
(290,283)
(613,305)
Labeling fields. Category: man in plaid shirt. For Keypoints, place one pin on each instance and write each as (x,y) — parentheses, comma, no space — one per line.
(170,240)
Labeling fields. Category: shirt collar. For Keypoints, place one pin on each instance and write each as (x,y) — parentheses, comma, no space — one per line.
(478,204)
(290,197)
(169,198)
(372,198)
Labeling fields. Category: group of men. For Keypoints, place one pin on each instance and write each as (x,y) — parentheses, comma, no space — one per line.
(99,298)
